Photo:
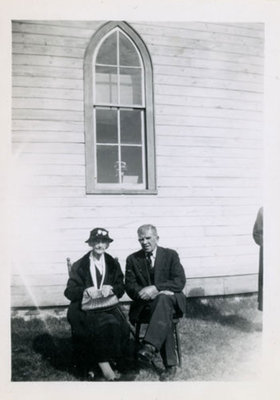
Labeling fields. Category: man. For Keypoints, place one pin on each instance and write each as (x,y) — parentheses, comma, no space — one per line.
(154,279)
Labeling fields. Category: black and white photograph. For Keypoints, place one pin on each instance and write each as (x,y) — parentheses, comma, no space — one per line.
(138,195)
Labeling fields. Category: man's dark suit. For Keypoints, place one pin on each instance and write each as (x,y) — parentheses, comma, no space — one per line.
(168,275)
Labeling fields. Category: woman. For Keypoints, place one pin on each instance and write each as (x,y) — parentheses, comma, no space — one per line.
(99,336)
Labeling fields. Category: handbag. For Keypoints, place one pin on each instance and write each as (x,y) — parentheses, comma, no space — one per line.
(98,303)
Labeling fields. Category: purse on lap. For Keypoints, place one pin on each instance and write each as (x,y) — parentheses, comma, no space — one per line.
(98,303)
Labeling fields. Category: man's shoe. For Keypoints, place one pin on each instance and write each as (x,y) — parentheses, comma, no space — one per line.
(168,374)
(147,352)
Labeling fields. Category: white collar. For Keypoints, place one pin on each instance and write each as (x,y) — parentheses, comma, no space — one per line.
(100,265)
(154,252)
(99,262)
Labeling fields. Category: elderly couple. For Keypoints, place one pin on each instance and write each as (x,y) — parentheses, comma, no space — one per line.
(154,280)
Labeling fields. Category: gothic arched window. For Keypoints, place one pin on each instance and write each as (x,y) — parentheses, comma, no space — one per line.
(119,122)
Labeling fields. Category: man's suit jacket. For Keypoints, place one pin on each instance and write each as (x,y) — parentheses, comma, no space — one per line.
(168,275)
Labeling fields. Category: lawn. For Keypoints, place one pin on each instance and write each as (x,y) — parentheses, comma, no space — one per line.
(220,339)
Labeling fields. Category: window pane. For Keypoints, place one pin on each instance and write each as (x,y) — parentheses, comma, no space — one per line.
(107,53)
(106,85)
(132,156)
(107,157)
(130,122)
(106,126)
(128,53)
(130,86)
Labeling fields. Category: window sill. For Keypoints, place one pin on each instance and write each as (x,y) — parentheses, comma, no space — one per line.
(123,191)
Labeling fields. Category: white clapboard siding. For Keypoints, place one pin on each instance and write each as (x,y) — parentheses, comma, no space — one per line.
(204,74)
(53,93)
(205,31)
(212,103)
(212,141)
(25,295)
(51,148)
(214,256)
(201,131)
(208,92)
(41,125)
(54,72)
(208,95)
(73,52)
(182,52)
(49,115)
(204,151)
(47,40)
(204,121)
(198,47)
(43,82)
(55,28)
(46,60)
(192,265)
(47,104)
(238,225)
(218,65)
(197,207)
(204,112)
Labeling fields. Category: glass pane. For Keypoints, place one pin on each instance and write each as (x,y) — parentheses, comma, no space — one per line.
(130,86)
(107,157)
(128,53)
(107,53)
(106,85)
(106,126)
(130,122)
(132,157)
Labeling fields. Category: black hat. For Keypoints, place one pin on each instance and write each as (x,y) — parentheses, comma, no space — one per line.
(99,233)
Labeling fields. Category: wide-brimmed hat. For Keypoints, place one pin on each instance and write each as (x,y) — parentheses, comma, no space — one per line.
(99,233)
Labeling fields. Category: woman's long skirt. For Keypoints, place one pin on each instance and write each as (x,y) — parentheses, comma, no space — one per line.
(99,336)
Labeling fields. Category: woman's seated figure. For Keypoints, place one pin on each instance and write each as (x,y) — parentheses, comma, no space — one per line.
(99,336)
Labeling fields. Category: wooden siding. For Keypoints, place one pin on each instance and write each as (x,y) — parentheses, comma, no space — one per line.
(208,93)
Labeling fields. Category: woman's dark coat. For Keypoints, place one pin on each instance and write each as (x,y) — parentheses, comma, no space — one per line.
(80,279)
(100,333)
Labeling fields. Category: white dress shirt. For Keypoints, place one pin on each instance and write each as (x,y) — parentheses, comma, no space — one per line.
(153,257)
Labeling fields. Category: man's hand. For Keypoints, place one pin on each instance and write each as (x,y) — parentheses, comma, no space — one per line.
(148,293)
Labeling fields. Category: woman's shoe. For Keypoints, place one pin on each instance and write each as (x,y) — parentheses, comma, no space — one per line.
(107,371)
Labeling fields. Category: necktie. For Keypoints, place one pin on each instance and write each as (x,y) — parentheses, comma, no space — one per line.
(150,267)
(149,260)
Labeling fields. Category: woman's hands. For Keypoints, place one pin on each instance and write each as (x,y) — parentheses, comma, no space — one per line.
(107,290)
(94,293)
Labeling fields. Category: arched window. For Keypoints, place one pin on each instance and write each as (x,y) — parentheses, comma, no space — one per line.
(119,119)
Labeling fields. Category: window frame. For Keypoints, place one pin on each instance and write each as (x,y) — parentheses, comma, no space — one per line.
(90,145)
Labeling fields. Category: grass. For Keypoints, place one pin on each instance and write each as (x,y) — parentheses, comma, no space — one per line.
(220,340)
